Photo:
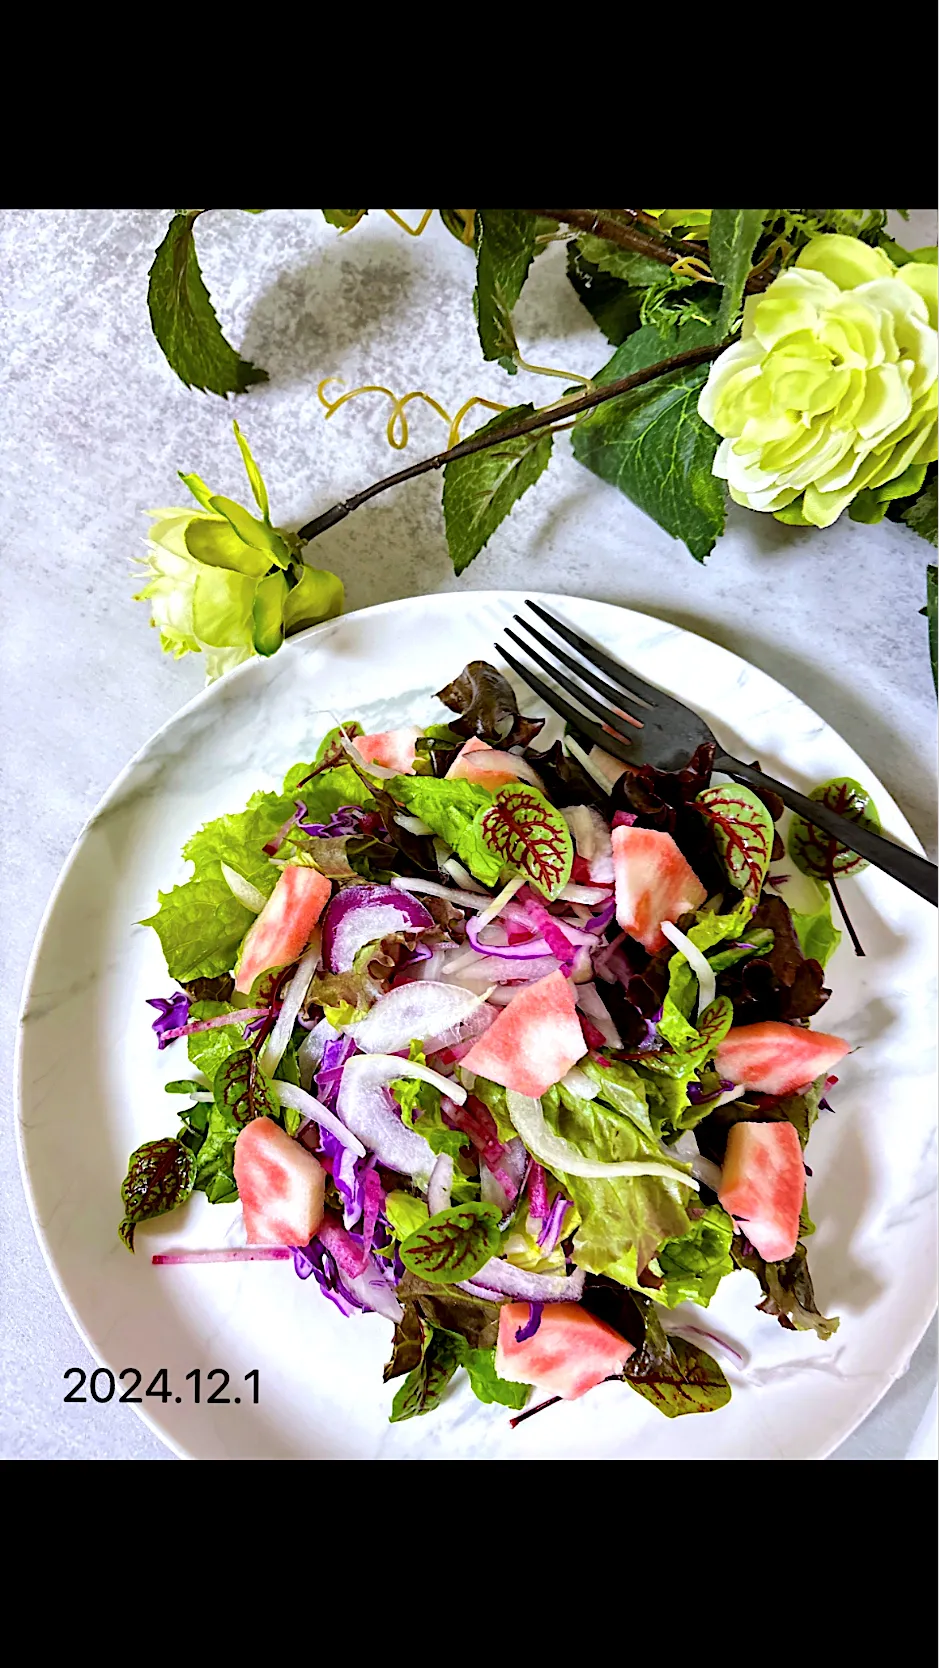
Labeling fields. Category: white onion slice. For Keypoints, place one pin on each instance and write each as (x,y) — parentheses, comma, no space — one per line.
(463,877)
(503,1277)
(412,825)
(697,961)
(496,970)
(363,1104)
(426,1008)
(528,1118)
(592,1004)
(311,1050)
(371,1287)
(491,1191)
(499,901)
(584,894)
(380,772)
(687,1149)
(440,1184)
(294,997)
(576,1082)
(243,890)
(299,1101)
(409,883)
(592,838)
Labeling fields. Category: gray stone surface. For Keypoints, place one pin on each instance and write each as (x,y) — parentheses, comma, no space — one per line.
(93,427)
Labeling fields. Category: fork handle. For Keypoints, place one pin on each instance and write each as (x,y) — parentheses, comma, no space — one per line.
(907,867)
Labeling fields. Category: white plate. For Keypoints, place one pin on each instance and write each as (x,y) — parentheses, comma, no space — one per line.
(91,1089)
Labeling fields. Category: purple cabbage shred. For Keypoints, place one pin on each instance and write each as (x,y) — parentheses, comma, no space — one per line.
(553,1225)
(531,1325)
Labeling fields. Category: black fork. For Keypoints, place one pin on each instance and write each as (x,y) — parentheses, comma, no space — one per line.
(642,725)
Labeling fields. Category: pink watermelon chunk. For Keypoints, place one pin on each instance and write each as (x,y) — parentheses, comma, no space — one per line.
(653,884)
(281,1185)
(534,1041)
(393,748)
(282,931)
(478,762)
(570,1352)
(777,1059)
(763,1185)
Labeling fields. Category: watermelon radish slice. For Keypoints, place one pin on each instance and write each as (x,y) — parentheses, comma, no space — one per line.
(653,884)
(282,931)
(281,1185)
(534,1041)
(569,1352)
(777,1059)
(478,762)
(395,749)
(763,1185)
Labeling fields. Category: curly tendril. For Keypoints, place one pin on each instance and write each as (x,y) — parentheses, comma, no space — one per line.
(690,266)
(397,427)
(412,231)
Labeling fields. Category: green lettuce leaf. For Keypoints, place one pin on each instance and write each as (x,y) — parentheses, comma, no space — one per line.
(451,809)
(693,1267)
(421,1110)
(405,1212)
(486,1384)
(481,489)
(183,318)
(626,1220)
(817,934)
(207,1049)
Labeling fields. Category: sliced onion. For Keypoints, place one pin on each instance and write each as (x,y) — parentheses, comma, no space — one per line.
(369,1109)
(491,1191)
(682,1326)
(591,833)
(310,1052)
(576,1082)
(294,997)
(360,915)
(440,1184)
(528,1118)
(243,890)
(507,952)
(463,877)
(496,970)
(687,1149)
(226,1254)
(412,825)
(380,772)
(592,1004)
(500,900)
(434,889)
(299,1101)
(697,961)
(504,1279)
(425,1008)
(574,893)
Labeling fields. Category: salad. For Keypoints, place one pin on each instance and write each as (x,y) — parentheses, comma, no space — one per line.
(506,1044)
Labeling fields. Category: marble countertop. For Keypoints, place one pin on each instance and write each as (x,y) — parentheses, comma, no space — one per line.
(93,427)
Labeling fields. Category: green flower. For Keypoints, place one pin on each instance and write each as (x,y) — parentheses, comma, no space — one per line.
(696,220)
(831,390)
(225,582)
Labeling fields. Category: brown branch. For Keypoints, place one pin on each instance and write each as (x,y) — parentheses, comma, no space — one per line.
(640,243)
(546,418)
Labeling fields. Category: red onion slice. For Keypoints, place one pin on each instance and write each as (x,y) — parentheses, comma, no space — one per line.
(498,1278)
(360,915)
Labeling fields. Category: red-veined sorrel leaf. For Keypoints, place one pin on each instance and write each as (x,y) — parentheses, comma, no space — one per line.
(712,1027)
(241,1089)
(530,835)
(453,1244)
(159,1177)
(743,833)
(819,854)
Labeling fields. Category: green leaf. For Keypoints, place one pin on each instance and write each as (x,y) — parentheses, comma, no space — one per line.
(789,1295)
(424,1386)
(505,249)
(411,1337)
(819,854)
(742,829)
(452,809)
(922,514)
(480,490)
(269,599)
(318,595)
(253,473)
(184,321)
(694,1266)
(345,219)
(631,268)
(611,303)
(421,1109)
(405,1212)
(215,1159)
(674,1375)
(523,830)
(222,607)
(732,239)
(817,934)
(160,1176)
(207,1049)
(486,1384)
(652,444)
(930,612)
(241,1090)
(200,926)
(454,1244)
(473,1319)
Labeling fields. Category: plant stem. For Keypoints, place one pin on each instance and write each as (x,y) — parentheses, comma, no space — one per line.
(531,1411)
(858,947)
(545,418)
(640,242)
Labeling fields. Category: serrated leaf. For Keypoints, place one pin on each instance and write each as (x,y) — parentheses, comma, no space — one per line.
(241,1090)
(522,829)
(480,490)
(611,303)
(345,219)
(733,237)
(453,1244)
(652,444)
(819,854)
(160,1176)
(743,833)
(631,268)
(505,249)
(184,321)
(921,515)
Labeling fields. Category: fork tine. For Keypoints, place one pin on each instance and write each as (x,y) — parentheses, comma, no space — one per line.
(576,719)
(616,697)
(586,699)
(627,680)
